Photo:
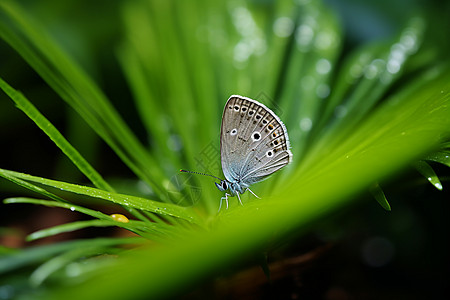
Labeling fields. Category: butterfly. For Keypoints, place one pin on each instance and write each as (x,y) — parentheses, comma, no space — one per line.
(254,144)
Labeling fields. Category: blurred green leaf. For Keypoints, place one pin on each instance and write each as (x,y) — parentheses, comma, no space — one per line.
(40,253)
(70,227)
(379,195)
(77,89)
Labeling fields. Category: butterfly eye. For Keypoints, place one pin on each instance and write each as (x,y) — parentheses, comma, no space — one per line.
(274,134)
(269,153)
(258,117)
(244,109)
(251,112)
(270,126)
(233,132)
(236,107)
(224,185)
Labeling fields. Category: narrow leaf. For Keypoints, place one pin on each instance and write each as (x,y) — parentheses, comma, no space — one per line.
(47,127)
(68,227)
(378,194)
(442,157)
(37,254)
(125,200)
(427,171)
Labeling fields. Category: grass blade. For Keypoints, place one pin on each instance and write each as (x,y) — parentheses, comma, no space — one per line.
(37,254)
(68,227)
(428,172)
(125,200)
(30,186)
(414,123)
(30,110)
(378,194)
(78,90)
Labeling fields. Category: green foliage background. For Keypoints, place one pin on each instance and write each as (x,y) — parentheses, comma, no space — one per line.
(143,84)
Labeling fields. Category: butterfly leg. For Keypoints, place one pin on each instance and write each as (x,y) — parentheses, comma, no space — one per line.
(226,201)
(237,194)
(252,193)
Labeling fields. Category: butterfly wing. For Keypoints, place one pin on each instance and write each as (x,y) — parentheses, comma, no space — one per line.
(254,142)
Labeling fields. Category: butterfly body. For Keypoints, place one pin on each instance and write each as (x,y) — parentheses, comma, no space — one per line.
(253,145)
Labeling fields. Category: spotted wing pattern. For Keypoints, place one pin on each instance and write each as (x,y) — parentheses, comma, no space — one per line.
(254,142)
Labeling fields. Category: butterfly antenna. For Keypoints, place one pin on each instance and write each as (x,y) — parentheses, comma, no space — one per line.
(199,173)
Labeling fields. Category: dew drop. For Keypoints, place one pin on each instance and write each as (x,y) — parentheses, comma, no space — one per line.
(324,40)
(322,90)
(120,218)
(304,36)
(340,111)
(393,66)
(73,270)
(306,124)
(323,66)
(283,27)
(438,185)
(374,68)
